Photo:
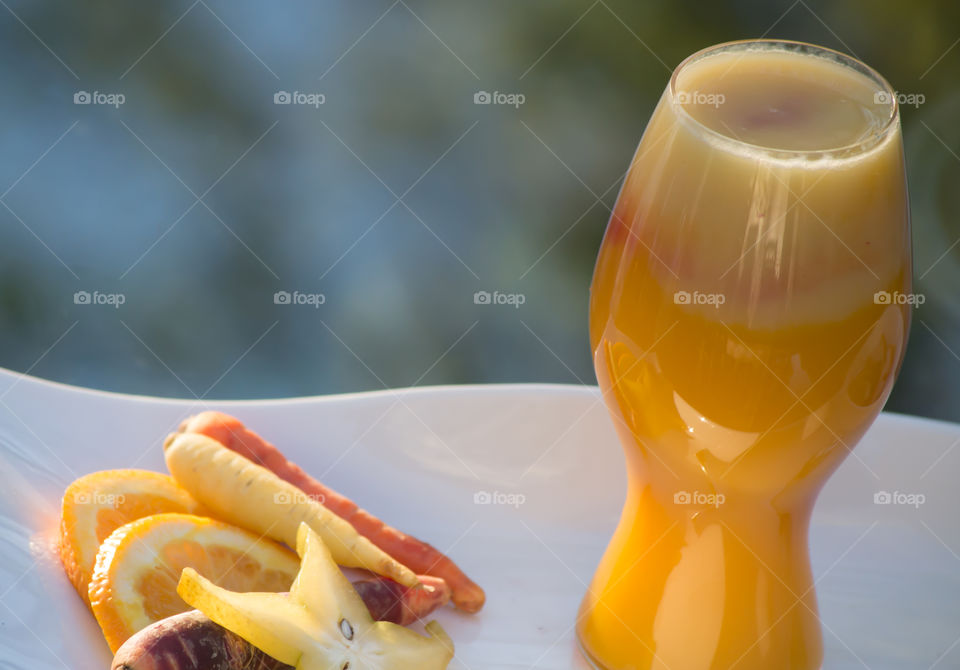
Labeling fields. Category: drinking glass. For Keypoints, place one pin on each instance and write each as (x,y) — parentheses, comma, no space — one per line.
(748,316)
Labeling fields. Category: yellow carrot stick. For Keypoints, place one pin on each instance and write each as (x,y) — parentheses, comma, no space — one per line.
(245,494)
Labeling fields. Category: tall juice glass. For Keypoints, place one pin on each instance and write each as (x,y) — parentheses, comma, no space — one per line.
(748,316)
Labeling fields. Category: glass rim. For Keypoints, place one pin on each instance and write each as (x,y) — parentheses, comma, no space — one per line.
(858,148)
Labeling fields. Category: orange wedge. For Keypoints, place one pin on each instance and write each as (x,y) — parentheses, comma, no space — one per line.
(138,567)
(97,504)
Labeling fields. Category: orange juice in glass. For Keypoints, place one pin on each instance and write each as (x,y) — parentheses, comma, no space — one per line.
(748,317)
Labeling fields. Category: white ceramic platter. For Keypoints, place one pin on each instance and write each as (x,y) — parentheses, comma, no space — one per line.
(545,457)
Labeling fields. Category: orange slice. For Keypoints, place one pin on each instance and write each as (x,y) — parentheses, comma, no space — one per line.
(138,567)
(97,504)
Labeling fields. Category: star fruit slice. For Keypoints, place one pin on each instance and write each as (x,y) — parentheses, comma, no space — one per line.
(322,624)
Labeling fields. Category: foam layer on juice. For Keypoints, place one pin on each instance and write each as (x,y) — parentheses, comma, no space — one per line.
(783,100)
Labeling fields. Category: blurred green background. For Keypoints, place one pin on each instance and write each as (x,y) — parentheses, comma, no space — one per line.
(397,198)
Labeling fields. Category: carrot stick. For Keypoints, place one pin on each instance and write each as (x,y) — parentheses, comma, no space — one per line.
(408,550)
(237,490)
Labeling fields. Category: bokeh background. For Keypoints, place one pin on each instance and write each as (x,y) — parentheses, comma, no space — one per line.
(397,198)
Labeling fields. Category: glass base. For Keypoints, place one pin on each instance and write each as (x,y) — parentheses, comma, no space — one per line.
(596,665)
(702,591)
(586,655)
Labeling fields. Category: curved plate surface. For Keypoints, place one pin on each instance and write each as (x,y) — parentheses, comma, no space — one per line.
(520,484)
